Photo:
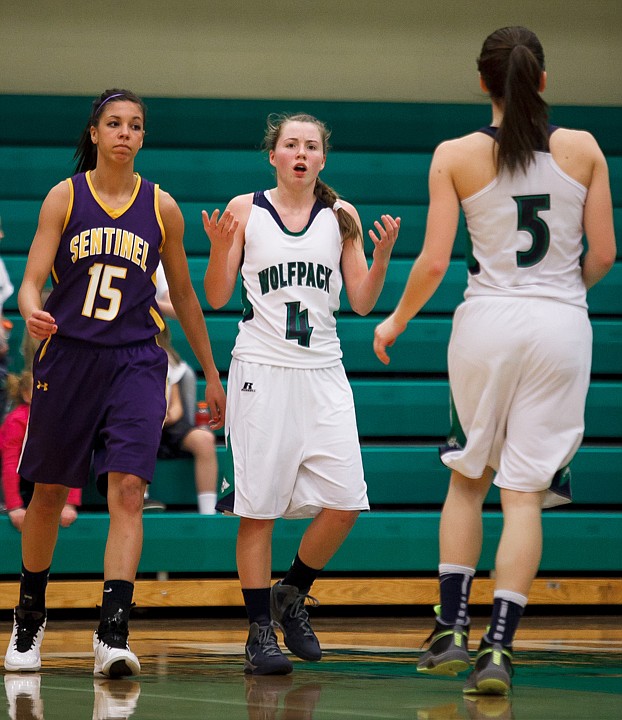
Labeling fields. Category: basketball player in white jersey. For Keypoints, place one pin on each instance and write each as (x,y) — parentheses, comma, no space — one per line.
(520,350)
(291,428)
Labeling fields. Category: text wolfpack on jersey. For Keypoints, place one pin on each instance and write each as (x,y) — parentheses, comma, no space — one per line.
(306,274)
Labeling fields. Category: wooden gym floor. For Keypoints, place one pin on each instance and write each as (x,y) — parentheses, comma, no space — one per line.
(566,668)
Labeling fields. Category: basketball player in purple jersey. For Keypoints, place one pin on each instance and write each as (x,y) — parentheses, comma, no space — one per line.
(99,374)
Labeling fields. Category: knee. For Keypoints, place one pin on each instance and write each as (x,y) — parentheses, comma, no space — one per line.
(48,499)
(200,443)
(126,493)
(255,527)
(343,518)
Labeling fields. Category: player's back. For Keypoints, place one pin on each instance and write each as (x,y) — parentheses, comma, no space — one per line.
(526,233)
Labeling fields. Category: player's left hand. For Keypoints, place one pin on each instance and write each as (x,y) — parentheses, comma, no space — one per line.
(386,236)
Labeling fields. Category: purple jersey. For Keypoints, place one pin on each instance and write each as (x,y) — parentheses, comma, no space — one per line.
(104,270)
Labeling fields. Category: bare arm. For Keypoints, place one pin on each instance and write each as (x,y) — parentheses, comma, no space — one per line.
(226,237)
(363,284)
(598,223)
(187,307)
(41,256)
(430,267)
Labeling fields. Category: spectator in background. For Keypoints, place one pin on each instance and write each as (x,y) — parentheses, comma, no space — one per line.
(182,438)
(17,494)
(188,381)
(6,290)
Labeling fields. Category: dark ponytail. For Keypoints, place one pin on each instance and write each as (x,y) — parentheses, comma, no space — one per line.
(511,64)
(348,226)
(86,153)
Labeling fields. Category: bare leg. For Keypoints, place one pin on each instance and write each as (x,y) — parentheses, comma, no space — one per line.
(520,548)
(325,535)
(125,535)
(254,553)
(202,445)
(40,528)
(461,520)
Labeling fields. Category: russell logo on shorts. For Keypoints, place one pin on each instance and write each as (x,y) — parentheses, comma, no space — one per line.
(248,387)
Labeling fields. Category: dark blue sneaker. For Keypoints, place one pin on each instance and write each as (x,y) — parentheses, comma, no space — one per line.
(492,672)
(263,654)
(288,611)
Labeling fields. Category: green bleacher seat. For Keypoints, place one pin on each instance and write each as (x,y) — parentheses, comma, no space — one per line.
(389,542)
(192,175)
(239,123)
(403,475)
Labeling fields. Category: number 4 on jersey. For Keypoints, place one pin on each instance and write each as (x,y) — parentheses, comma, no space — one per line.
(298,324)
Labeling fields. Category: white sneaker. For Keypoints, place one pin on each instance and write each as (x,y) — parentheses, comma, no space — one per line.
(114,662)
(23,653)
(23,692)
(115,699)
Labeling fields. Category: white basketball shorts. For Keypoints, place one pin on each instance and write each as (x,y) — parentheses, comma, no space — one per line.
(294,441)
(519,371)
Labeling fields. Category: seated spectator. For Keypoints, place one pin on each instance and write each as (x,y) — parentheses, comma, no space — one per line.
(6,290)
(180,436)
(18,492)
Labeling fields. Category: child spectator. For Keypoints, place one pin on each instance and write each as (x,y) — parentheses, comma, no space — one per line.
(6,290)
(17,494)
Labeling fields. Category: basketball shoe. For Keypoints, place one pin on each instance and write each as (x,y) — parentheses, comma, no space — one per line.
(24,651)
(448,652)
(263,654)
(23,693)
(113,656)
(288,611)
(492,672)
(115,699)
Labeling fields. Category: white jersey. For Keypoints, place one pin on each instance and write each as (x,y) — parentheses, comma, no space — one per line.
(291,283)
(526,231)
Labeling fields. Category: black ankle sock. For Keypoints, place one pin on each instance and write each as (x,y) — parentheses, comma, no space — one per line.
(455,591)
(504,622)
(32,590)
(117,596)
(300,575)
(257,602)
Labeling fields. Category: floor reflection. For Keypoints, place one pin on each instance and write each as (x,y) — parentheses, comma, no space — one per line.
(198,675)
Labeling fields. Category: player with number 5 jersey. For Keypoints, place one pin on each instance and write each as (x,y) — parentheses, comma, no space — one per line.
(291,427)
(99,374)
(521,345)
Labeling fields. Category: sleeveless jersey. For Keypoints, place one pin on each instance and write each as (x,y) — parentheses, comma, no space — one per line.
(291,284)
(526,232)
(103,273)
